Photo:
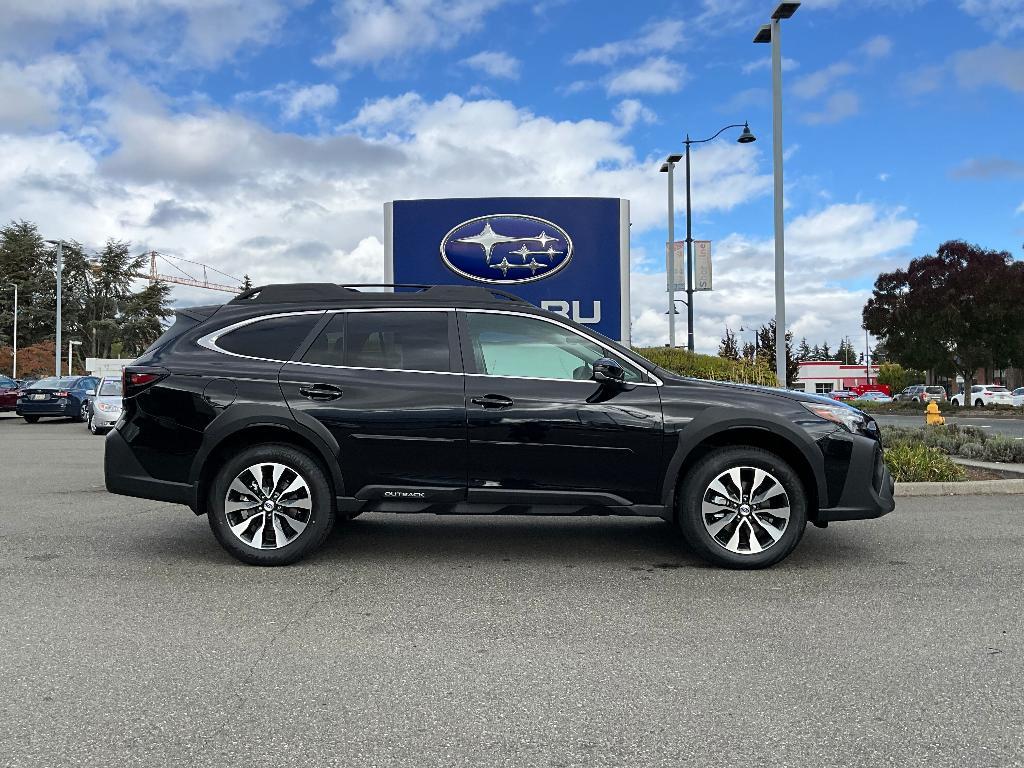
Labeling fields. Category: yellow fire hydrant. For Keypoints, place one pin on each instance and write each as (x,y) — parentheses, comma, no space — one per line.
(932,415)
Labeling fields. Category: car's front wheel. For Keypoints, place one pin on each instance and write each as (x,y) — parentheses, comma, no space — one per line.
(270,505)
(742,507)
(979,403)
(91,423)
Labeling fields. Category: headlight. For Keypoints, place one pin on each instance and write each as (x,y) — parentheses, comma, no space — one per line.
(847,418)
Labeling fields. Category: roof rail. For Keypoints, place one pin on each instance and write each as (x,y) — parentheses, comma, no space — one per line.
(281,293)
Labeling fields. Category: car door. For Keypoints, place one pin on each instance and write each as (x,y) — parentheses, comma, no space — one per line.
(389,387)
(541,430)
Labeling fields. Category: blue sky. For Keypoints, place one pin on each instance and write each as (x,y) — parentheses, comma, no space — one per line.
(262,136)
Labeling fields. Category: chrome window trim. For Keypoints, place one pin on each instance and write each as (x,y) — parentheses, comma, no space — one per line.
(209,341)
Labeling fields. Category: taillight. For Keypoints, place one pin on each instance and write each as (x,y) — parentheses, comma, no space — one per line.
(136,380)
(61,394)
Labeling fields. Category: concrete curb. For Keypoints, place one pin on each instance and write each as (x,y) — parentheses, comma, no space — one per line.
(967,488)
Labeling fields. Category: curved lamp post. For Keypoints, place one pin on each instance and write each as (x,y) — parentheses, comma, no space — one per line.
(746,137)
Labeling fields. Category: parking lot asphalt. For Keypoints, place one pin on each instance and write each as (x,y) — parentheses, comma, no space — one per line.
(1002,426)
(130,638)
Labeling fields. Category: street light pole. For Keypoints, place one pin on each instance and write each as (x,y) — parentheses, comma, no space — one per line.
(60,279)
(772,34)
(745,138)
(14,361)
(668,167)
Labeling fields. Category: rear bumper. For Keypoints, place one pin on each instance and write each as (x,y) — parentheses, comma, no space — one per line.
(51,408)
(869,488)
(124,475)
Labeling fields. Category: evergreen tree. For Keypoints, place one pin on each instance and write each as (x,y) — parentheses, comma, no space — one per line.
(728,347)
(749,352)
(246,282)
(826,353)
(803,352)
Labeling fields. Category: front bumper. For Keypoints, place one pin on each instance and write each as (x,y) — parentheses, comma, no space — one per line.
(104,419)
(123,474)
(866,491)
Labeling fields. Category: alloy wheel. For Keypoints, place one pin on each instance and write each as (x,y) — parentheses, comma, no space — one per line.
(745,510)
(268,505)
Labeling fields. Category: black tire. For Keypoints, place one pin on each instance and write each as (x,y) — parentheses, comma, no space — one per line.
(31,419)
(697,482)
(91,424)
(83,412)
(318,524)
(979,403)
(915,400)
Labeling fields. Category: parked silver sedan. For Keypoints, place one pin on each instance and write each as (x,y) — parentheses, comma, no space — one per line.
(105,408)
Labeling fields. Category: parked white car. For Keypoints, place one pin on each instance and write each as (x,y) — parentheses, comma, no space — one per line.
(985,394)
(1018,397)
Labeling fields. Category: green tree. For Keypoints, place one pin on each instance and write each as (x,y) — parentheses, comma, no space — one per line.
(141,323)
(958,310)
(246,282)
(897,377)
(803,352)
(826,353)
(728,347)
(766,351)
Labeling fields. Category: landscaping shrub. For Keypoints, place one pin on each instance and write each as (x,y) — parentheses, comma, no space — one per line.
(971,451)
(918,463)
(712,367)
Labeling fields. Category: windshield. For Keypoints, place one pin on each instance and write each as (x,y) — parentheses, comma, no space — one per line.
(111,388)
(935,390)
(53,382)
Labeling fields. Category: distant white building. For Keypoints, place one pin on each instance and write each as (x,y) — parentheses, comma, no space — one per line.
(824,376)
(106,366)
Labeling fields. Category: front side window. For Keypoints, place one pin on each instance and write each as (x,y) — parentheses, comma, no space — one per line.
(409,341)
(512,345)
(275,338)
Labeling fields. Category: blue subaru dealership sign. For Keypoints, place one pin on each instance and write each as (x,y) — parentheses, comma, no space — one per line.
(566,254)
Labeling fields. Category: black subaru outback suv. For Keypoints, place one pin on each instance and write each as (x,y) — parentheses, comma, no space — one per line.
(293,405)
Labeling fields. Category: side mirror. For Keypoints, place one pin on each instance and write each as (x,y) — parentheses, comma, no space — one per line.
(91,392)
(608,371)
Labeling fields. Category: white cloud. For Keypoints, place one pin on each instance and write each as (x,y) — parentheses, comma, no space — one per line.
(878,47)
(243,198)
(839,106)
(766,63)
(495,64)
(823,249)
(297,100)
(1002,17)
(1020,208)
(179,33)
(656,75)
(817,83)
(377,30)
(655,37)
(884,177)
(990,65)
(629,112)
(31,96)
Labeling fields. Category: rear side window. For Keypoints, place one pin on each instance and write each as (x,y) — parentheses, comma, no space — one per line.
(276,338)
(409,341)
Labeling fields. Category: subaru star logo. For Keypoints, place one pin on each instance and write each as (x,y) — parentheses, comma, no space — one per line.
(506,248)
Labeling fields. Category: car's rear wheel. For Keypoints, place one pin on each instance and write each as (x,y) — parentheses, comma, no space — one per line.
(31,419)
(979,403)
(83,412)
(270,505)
(742,507)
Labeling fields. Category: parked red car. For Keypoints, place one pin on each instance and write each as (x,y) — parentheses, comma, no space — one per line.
(842,395)
(8,393)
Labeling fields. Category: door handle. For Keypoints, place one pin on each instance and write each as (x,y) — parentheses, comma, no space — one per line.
(320,391)
(493,401)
